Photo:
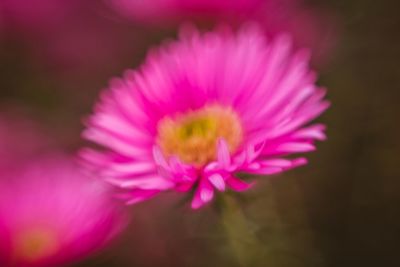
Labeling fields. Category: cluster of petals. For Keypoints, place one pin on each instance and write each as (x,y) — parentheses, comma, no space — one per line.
(265,81)
(52,214)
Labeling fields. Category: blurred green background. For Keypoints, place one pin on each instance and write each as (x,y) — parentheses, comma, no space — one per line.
(343,209)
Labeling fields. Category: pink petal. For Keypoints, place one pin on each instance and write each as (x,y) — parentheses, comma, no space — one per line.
(237,184)
(224,158)
(294,147)
(217,181)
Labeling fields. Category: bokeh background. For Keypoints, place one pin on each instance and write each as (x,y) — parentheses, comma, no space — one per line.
(343,209)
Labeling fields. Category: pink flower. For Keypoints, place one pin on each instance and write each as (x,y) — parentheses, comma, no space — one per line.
(36,15)
(63,37)
(165,11)
(203,109)
(310,26)
(52,214)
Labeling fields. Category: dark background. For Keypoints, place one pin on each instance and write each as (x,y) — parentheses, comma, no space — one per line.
(343,209)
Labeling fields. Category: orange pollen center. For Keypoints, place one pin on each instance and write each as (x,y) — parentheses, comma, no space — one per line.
(35,244)
(193,136)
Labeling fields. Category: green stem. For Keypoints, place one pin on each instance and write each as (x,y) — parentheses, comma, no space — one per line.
(240,233)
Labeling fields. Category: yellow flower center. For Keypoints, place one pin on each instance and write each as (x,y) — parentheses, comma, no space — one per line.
(193,136)
(35,244)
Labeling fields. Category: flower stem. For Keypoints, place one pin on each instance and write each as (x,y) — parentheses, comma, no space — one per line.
(240,232)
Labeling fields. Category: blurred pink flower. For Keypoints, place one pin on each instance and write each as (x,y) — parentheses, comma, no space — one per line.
(75,48)
(67,36)
(203,109)
(36,15)
(52,214)
(310,27)
(171,11)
